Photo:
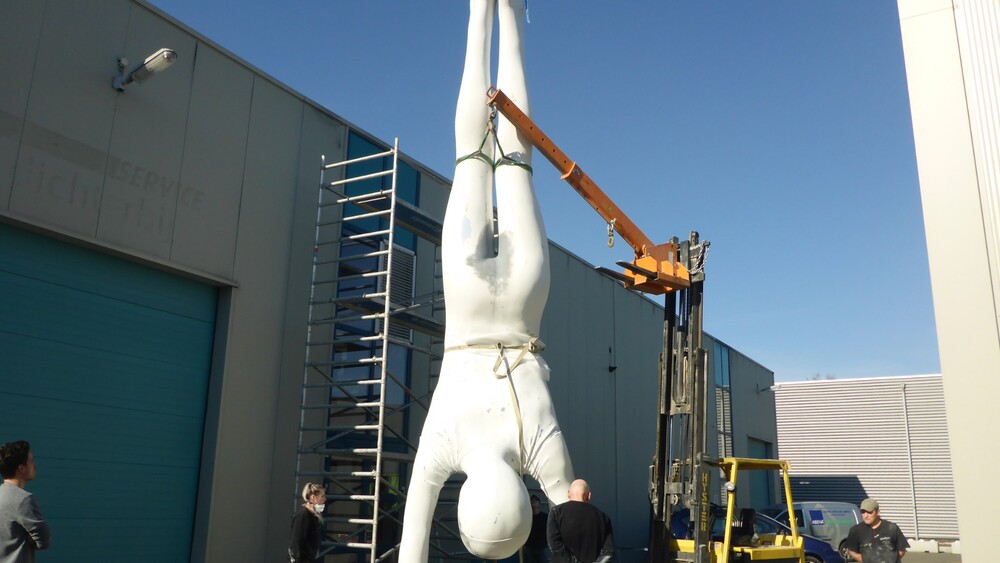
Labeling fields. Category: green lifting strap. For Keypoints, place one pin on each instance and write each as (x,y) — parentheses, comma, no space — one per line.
(508,161)
(504,160)
(479,154)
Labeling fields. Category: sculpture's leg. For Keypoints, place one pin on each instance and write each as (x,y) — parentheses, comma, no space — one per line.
(524,258)
(467,234)
(468,224)
(511,77)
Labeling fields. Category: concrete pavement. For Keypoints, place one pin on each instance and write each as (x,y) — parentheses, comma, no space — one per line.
(921,557)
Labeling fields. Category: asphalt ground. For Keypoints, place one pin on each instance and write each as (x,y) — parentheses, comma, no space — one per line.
(921,557)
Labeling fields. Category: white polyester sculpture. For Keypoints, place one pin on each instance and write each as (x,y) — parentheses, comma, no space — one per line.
(491,417)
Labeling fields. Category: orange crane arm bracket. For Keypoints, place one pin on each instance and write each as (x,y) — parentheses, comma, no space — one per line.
(650,258)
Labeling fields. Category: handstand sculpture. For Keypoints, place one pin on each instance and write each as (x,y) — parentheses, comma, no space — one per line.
(491,416)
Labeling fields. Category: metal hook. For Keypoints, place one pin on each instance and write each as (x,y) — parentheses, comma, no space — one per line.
(491,123)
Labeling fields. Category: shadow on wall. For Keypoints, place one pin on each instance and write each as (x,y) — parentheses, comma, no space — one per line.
(841,488)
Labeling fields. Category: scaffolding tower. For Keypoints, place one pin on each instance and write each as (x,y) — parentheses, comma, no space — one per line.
(367,332)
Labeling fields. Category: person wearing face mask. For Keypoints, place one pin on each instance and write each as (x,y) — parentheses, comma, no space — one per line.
(307,525)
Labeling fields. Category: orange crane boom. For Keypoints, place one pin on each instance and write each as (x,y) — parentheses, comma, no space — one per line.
(655,268)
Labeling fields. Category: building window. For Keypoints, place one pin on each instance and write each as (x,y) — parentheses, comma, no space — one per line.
(407,184)
(354,353)
(723,400)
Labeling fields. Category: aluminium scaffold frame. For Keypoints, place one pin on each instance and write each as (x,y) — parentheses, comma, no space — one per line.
(365,330)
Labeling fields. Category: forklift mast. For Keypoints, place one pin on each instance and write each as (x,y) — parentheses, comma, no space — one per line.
(680,474)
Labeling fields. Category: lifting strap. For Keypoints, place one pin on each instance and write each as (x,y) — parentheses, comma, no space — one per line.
(478,154)
(534,346)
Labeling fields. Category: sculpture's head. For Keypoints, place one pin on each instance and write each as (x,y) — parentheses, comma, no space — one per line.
(494,512)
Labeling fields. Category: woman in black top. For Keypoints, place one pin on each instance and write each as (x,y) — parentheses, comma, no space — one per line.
(307,525)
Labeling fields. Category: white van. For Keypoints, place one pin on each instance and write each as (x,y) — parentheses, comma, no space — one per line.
(828,521)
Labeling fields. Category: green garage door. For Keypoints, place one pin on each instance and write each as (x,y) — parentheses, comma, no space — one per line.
(104,369)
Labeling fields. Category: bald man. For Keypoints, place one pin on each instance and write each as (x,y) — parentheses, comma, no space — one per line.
(578,532)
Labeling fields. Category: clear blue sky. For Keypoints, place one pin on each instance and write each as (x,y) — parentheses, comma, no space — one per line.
(779,129)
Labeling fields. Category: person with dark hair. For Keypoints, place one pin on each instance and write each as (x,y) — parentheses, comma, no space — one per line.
(307,525)
(23,530)
(536,549)
(578,532)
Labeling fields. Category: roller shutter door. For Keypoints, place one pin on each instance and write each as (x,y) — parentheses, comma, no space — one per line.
(104,369)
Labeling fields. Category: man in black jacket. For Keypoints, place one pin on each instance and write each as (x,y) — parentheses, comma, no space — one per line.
(876,540)
(578,532)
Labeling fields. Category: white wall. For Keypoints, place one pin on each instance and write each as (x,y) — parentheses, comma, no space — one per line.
(951,69)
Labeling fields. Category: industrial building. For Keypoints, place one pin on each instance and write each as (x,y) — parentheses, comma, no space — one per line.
(884,438)
(156,260)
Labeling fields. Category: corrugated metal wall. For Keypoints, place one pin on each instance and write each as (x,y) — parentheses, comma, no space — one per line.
(978,27)
(885,438)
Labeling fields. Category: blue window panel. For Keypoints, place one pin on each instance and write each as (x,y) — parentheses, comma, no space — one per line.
(721,360)
(407,189)
(407,184)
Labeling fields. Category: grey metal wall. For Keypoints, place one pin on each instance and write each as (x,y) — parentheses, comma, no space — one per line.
(753,403)
(608,417)
(885,438)
(592,324)
(753,418)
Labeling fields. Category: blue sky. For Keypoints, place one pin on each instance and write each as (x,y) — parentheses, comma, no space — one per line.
(779,129)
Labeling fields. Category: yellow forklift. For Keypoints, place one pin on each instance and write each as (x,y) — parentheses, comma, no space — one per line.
(680,475)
